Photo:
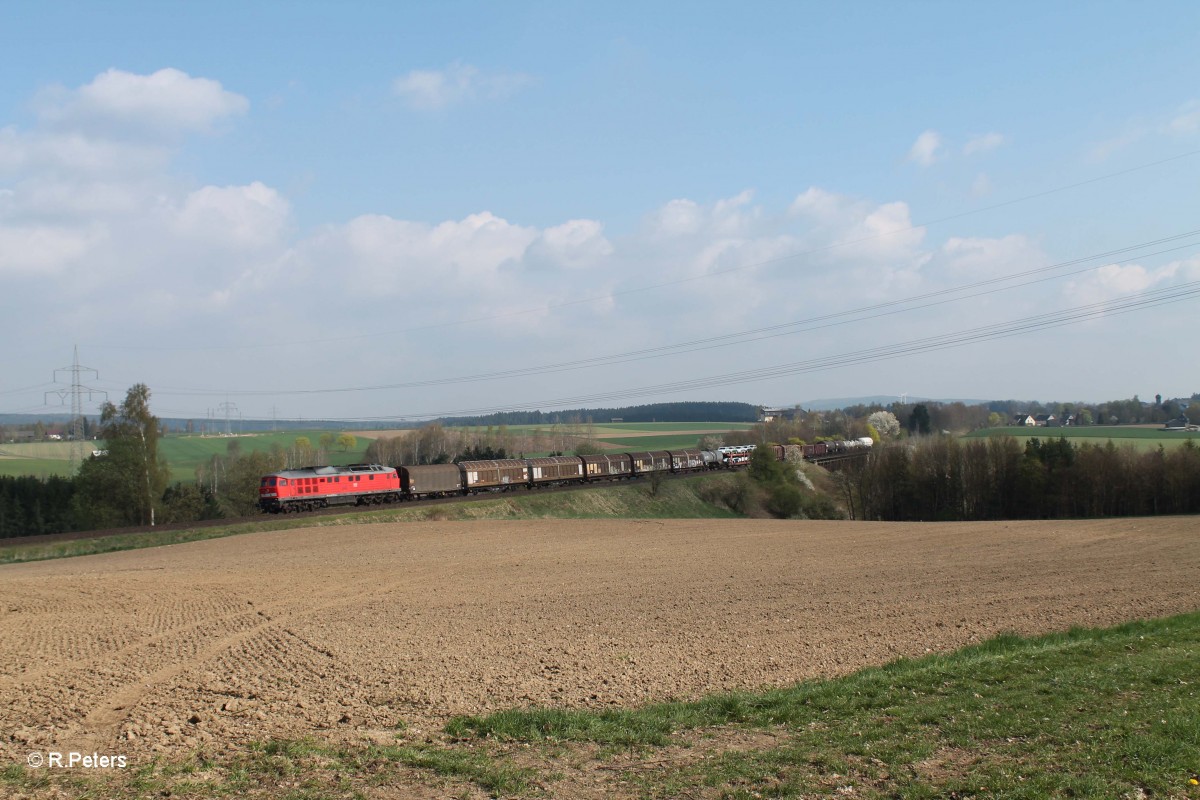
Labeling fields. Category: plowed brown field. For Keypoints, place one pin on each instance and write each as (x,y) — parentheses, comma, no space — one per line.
(338,632)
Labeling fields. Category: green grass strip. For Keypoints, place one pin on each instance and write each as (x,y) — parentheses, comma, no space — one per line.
(1094,713)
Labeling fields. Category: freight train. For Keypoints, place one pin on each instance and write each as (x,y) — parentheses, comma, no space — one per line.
(310,488)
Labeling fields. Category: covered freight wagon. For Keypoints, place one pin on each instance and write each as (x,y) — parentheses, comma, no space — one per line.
(500,473)
(686,460)
(432,480)
(608,465)
(656,461)
(555,469)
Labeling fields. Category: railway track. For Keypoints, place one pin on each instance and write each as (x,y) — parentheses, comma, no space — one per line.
(830,462)
(68,536)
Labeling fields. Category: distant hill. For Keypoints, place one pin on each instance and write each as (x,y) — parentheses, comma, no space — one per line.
(655,412)
(835,403)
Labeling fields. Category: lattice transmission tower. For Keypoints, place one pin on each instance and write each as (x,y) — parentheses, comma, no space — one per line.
(76,391)
(230,409)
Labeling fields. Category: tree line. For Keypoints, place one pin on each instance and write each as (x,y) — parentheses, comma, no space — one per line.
(943,478)
(913,473)
(128,484)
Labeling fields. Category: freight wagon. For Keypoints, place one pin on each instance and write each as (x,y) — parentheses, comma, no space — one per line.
(432,480)
(317,487)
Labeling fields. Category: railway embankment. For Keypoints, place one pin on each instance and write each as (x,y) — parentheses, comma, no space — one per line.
(692,497)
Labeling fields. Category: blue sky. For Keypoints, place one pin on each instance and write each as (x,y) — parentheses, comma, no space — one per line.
(268,203)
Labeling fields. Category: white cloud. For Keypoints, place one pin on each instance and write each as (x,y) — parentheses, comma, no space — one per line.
(1105,149)
(983,143)
(1183,122)
(1116,280)
(237,216)
(575,244)
(166,102)
(66,199)
(75,153)
(981,186)
(856,229)
(677,218)
(977,257)
(401,256)
(925,149)
(1186,121)
(458,83)
(45,250)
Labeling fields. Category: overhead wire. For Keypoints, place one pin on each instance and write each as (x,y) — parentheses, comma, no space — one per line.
(805,325)
(1036,323)
(664,284)
(958,339)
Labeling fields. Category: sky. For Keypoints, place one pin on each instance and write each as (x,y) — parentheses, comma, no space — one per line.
(397,211)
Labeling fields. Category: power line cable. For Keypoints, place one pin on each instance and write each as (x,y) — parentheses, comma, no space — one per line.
(664,284)
(860,314)
(1037,323)
(971,336)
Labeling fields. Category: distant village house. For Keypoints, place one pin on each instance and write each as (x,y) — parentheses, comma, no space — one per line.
(766,414)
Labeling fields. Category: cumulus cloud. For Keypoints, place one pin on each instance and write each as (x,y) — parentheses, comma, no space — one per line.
(45,250)
(398,257)
(427,89)
(1116,280)
(680,217)
(76,153)
(574,245)
(250,216)
(165,102)
(91,204)
(924,150)
(979,257)
(983,143)
(857,229)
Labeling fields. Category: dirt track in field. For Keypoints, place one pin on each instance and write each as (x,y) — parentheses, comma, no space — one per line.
(342,632)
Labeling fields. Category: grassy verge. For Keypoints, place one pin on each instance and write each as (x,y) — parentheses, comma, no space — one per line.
(1089,713)
(296,769)
(674,499)
(12,551)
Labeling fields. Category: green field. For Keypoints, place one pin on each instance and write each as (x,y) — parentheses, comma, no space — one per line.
(40,459)
(602,429)
(635,443)
(35,467)
(651,427)
(1140,438)
(620,436)
(182,452)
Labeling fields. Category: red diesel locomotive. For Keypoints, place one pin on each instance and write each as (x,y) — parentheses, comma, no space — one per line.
(311,488)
